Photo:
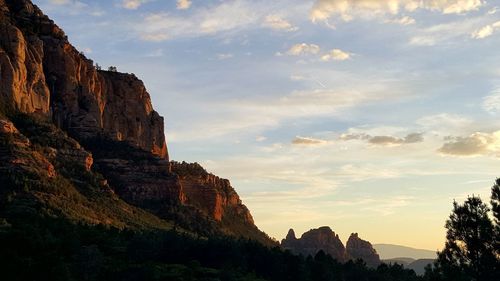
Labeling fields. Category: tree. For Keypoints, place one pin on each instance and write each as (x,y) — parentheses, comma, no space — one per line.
(495,207)
(112,69)
(469,252)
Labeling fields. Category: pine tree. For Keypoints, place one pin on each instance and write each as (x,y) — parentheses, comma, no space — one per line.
(469,249)
(495,207)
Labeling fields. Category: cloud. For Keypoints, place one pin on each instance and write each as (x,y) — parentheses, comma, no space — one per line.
(227,16)
(183,4)
(224,56)
(405,20)
(491,103)
(132,4)
(303,49)
(260,138)
(447,121)
(446,32)
(336,54)
(474,145)
(307,141)
(323,10)
(59,2)
(276,22)
(384,140)
(486,30)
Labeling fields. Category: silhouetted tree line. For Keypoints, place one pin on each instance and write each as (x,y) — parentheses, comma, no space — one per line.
(33,247)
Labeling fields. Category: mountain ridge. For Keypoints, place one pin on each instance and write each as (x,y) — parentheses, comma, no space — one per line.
(390,251)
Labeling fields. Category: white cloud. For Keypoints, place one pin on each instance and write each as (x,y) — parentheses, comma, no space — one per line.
(486,30)
(229,16)
(336,54)
(474,145)
(276,22)
(445,32)
(491,103)
(183,4)
(303,49)
(347,10)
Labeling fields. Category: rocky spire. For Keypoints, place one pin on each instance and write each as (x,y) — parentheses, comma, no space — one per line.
(357,248)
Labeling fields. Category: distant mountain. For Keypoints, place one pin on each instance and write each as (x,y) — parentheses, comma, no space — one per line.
(402,260)
(388,251)
(419,265)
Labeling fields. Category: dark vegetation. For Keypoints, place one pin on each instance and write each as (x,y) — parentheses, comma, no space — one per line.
(70,227)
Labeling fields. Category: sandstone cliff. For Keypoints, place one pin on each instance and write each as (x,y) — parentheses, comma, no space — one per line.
(43,73)
(213,195)
(110,118)
(323,238)
(357,248)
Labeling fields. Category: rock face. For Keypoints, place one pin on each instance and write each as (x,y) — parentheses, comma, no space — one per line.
(356,248)
(23,84)
(323,238)
(315,240)
(42,72)
(211,194)
(110,120)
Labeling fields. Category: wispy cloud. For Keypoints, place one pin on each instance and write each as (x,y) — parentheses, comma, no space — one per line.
(384,140)
(348,10)
(405,20)
(307,141)
(486,30)
(491,103)
(277,22)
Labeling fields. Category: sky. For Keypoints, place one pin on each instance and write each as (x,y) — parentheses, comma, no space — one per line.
(367,116)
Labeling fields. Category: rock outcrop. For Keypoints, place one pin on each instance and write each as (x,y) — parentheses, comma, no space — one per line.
(315,240)
(324,239)
(41,72)
(357,248)
(213,195)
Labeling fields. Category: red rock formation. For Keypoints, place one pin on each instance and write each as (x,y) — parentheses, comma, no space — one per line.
(315,240)
(23,84)
(109,113)
(357,248)
(38,65)
(325,239)
(213,195)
